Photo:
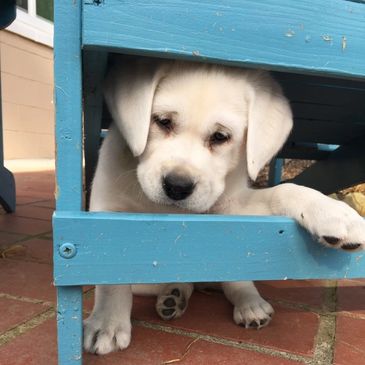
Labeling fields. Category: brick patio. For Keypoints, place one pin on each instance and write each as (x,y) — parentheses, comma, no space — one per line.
(316,322)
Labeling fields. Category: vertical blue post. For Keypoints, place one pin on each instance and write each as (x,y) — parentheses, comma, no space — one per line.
(69,325)
(276,167)
(68,91)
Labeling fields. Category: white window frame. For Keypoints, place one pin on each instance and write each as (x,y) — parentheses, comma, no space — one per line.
(28,24)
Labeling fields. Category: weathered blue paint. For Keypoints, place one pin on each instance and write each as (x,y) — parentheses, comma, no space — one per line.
(67,69)
(67,89)
(69,325)
(147,248)
(319,37)
(323,37)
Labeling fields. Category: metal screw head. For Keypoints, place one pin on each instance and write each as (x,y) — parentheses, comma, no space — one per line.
(67,250)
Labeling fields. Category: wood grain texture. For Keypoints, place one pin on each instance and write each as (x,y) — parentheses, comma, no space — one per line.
(323,37)
(136,248)
(67,70)
(69,325)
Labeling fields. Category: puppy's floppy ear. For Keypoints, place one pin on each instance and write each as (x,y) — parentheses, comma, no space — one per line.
(129,90)
(269,122)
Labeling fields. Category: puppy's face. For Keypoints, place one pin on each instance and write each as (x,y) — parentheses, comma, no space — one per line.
(195,138)
(191,125)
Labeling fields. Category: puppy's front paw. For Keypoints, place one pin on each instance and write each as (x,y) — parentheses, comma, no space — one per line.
(337,226)
(104,335)
(255,313)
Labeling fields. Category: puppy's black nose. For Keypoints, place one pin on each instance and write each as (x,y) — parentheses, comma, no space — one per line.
(177,187)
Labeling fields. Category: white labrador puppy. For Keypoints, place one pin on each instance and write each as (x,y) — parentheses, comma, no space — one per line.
(186,138)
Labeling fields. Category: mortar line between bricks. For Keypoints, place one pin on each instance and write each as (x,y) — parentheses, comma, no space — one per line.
(35,218)
(222,341)
(319,311)
(26,326)
(26,299)
(28,237)
(325,338)
(35,202)
(293,305)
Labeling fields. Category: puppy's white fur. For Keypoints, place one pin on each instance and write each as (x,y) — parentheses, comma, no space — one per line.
(138,153)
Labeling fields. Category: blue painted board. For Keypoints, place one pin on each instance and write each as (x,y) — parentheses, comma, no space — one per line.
(145,248)
(323,37)
(275,171)
(69,325)
(68,99)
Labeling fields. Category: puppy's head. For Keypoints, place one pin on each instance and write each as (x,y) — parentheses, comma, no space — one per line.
(192,125)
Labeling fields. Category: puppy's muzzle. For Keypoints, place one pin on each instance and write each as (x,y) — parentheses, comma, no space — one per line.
(177,186)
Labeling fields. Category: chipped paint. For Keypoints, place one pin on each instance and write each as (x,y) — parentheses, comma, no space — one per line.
(344,43)
(290,33)
(307,38)
(196,53)
(358,258)
(327,38)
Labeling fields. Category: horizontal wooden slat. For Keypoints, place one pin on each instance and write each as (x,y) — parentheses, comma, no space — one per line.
(330,113)
(143,248)
(323,37)
(329,132)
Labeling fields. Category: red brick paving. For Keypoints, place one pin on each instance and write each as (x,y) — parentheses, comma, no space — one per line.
(32,211)
(34,249)
(148,347)
(351,296)
(297,328)
(309,292)
(19,225)
(27,279)
(26,275)
(8,238)
(14,312)
(350,341)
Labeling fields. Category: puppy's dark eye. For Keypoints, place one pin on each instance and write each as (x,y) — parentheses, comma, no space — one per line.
(163,123)
(219,138)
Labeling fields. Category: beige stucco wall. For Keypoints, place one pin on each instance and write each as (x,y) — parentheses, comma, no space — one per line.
(27,97)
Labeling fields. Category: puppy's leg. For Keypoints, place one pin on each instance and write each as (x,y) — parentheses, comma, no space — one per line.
(250,309)
(173,300)
(332,222)
(108,328)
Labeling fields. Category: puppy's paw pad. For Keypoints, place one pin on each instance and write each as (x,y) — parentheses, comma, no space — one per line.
(255,314)
(171,305)
(352,246)
(331,240)
(256,324)
(336,225)
(102,337)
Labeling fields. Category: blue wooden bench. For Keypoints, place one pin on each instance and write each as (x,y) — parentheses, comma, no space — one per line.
(317,52)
